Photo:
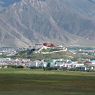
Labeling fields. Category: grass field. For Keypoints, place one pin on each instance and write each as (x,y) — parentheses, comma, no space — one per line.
(38,82)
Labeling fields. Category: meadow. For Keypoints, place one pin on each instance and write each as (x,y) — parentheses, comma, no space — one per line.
(39,82)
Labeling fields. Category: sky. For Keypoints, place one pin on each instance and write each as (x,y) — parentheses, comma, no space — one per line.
(5,3)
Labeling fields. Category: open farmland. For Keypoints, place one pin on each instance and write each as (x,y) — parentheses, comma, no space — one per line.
(38,82)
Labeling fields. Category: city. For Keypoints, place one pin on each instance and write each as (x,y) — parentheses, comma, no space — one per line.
(46,58)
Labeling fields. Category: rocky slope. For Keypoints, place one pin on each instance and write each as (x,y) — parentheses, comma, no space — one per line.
(68,22)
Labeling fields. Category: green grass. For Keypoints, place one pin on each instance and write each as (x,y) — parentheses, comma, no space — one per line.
(38,82)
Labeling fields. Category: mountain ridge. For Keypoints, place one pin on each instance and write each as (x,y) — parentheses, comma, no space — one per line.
(26,22)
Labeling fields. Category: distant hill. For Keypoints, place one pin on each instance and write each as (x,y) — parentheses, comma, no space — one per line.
(67,22)
(46,56)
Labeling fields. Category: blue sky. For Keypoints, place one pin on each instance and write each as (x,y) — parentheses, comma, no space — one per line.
(7,2)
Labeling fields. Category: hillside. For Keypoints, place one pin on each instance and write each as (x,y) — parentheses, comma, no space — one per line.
(67,22)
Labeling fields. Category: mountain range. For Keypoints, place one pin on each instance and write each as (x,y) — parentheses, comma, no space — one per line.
(26,22)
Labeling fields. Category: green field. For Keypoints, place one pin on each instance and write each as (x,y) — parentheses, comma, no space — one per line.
(39,82)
